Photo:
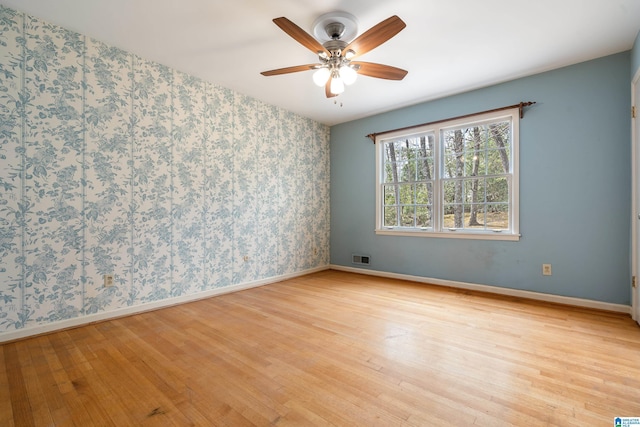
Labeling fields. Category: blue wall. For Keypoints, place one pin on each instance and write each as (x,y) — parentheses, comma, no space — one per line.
(635,56)
(575,188)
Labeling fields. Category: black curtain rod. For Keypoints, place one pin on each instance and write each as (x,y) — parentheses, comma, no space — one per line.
(520,106)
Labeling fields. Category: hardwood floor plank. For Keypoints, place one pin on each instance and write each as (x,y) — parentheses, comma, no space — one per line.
(53,379)
(135,394)
(6,411)
(332,348)
(78,392)
(33,363)
(20,402)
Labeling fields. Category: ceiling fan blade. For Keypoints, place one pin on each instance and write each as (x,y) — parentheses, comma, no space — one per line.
(288,70)
(380,71)
(299,35)
(327,90)
(376,35)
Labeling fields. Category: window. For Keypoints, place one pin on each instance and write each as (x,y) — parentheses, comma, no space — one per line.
(451,179)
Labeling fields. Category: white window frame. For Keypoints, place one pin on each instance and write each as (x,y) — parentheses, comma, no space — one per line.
(513,234)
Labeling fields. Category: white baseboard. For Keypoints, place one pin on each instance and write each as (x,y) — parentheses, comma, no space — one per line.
(127,311)
(558,299)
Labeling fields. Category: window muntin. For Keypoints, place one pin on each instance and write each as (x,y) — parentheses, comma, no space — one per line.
(455,179)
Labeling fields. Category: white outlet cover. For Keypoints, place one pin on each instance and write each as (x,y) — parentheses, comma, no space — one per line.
(108,280)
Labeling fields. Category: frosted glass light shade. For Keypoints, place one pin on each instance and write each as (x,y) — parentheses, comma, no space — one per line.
(337,85)
(348,74)
(321,76)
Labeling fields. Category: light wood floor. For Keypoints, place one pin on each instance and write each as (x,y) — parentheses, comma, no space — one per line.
(331,348)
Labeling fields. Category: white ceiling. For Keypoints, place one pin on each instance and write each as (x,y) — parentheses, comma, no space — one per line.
(448,46)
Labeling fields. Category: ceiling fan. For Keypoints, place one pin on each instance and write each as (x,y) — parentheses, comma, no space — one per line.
(336,67)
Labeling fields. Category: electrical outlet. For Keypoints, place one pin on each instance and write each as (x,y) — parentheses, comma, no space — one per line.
(108,280)
(546,269)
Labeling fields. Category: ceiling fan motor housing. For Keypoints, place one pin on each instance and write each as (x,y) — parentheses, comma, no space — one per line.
(335,30)
(334,46)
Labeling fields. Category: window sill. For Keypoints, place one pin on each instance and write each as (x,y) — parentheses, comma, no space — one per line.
(449,235)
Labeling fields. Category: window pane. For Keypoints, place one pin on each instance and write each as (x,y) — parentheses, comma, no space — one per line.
(399,171)
(453,141)
(475,163)
(453,216)
(408,216)
(424,193)
(391,216)
(476,218)
(407,194)
(400,151)
(498,216)
(474,190)
(453,166)
(497,190)
(423,216)
(425,146)
(388,158)
(424,169)
(388,172)
(390,195)
(499,144)
(498,135)
(408,171)
(452,191)
(498,161)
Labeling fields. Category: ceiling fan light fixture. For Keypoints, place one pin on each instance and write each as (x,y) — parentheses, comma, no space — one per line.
(348,74)
(321,75)
(349,54)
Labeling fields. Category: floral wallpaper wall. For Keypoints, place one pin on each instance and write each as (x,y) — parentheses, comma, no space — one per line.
(112,164)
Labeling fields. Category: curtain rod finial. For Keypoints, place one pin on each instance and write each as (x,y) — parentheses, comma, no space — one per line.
(524,104)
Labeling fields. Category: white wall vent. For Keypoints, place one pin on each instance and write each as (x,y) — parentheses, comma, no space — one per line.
(360,259)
